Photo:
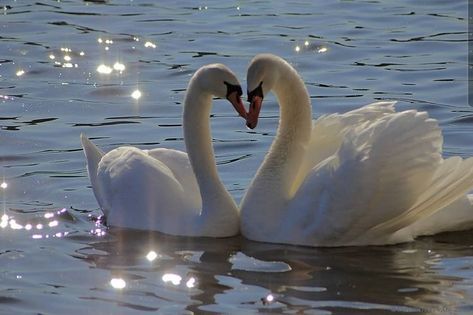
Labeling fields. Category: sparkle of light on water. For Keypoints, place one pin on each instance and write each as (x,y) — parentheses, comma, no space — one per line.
(117,72)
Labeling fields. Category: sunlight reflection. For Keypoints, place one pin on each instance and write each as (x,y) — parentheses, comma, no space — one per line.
(312,47)
(19,73)
(118,283)
(48,215)
(268,299)
(14,225)
(136,94)
(103,69)
(149,44)
(190,283)
(119,66)
(173,278)
(4,185)
(47,224)
(55,235)
(98,232)
(151,255)
(4,221)
(66,57)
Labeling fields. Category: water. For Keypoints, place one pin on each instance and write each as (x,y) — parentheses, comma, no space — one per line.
(54,258)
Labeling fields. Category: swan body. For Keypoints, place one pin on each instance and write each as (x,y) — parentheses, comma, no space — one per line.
(168,190)
(370,176)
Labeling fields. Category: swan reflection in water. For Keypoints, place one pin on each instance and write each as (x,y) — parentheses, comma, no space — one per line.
(200,274)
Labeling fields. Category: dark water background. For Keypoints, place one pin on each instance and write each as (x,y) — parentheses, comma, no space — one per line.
(53,257)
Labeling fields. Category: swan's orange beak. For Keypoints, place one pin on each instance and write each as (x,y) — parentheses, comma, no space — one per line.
(253,114)
(237,103)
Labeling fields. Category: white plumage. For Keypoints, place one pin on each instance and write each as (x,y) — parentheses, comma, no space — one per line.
(369,176)
(168,190)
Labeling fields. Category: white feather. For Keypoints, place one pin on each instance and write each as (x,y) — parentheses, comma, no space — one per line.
(368,176)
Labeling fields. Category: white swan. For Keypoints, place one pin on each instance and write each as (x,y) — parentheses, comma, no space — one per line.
(369,176)
(168,190)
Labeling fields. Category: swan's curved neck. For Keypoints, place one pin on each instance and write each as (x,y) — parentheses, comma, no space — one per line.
(197,137)
(293,134)
(263,207)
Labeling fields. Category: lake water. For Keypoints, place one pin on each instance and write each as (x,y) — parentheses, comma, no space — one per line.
(68,67)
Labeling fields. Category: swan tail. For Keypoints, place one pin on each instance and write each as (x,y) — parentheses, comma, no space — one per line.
(93,156)
(451,182)
(92,153)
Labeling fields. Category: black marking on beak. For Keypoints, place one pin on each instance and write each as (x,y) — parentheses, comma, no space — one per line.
(256,92)
(233,88)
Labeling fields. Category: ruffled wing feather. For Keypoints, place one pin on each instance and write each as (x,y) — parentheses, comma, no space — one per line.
(386,174)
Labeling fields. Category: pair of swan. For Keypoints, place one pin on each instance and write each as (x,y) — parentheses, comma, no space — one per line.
(369,176)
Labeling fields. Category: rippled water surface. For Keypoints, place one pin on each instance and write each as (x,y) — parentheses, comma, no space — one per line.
(68,67)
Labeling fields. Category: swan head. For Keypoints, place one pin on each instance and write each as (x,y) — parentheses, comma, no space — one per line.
(221,82)
(261,77)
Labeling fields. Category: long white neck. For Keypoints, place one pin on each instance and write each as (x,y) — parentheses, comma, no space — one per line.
(216,201)
(273,185)
(293,134)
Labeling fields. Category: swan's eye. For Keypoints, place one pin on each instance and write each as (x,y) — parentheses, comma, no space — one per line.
(256,92)
(233,88)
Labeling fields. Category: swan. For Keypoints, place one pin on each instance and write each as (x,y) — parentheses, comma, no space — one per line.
(168,190)
(371,176)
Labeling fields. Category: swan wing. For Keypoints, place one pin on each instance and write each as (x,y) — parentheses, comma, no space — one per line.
(141,191)
(328,133)
(381,179)
(178,162)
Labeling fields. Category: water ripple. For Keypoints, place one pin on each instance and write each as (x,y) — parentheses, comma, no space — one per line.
(350,53)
